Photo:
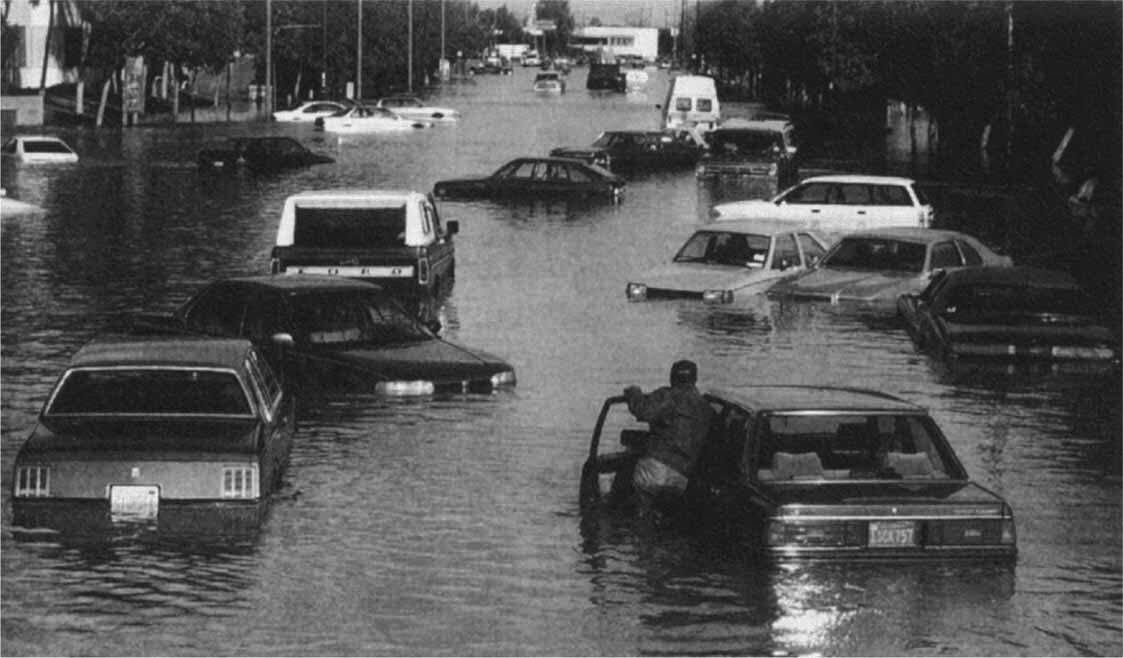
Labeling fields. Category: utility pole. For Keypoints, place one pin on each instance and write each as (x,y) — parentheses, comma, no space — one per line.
(409,55)
(269,57)
(1010,84)
(359,57)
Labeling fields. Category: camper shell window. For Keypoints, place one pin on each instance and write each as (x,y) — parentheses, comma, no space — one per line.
(350,227)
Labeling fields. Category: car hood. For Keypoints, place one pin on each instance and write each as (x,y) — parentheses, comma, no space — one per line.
(436,360)
(55,435)
(698,277)
(852,285)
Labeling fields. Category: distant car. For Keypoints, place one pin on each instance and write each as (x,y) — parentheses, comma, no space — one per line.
(1009,313)
(156,429)
(493,64)
(761,150)
(876,267)
(531,58)
(38,148)
(723,263)
(391,237)
(261,154)
(308,112)
(333,333)
(535,178)
(840,203)
(411,107)
(635,150)
(817,472)
(606,76)
(549,82)
(363,119)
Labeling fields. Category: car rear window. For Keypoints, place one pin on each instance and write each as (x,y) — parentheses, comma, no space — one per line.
(877,254)
(350,227)
(150,391)
(848,447)
(746,141)
(44,146)
(993,299)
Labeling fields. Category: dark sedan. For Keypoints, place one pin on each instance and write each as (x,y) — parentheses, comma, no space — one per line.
(261,154)
(814,472)
(1022,313)
(172,432)
(536,178)
(329,332)
(637,150)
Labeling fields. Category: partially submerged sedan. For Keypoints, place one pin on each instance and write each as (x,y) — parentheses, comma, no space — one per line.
(412,107)
(811,472)
(730,261)
(156,431)
(335,333)
(260,154)
(46,149)
(637,150)
(536,178)
(1009,314)
(874,268)
(361,119)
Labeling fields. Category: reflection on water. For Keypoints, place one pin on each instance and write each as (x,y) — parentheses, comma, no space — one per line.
(450,525)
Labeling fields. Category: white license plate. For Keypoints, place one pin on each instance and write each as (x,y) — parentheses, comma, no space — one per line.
(892,533)
(134,503)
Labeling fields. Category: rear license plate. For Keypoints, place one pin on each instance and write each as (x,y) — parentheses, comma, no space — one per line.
(134,503)
(892,533)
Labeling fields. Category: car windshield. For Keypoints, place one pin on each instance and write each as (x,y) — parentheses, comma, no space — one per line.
(149,392)
(725,248)
(800,447)
(605,140)
(44,146)
(745,142)
(366,227)
(990,300)
(877,254)
(351,318)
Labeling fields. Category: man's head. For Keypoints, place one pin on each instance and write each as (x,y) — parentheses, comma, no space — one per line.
(684,373)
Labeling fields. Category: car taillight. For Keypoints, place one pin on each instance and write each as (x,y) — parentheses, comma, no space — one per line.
(1072,352)
(1009,532)
(423,268)
(274,266)
(405,388)
(636,292)
(773,169)
(717,296)
(239,482)
(831,533)
(502,379)
(926,214)
(33,482)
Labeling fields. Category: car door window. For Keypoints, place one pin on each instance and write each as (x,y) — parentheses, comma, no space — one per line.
(971,256)
(217,311)
(577,175)
(855,195)
(890,195)
(811,193)
(265,382)
(944,254)
(265,317)
(786,253)
(812,252)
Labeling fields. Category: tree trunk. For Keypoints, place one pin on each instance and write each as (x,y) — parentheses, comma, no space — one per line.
(104,100)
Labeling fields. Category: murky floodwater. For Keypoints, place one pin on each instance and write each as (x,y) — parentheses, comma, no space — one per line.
(451,526)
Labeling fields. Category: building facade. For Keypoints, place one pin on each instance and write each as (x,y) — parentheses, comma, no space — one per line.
(31,60)
(621,41)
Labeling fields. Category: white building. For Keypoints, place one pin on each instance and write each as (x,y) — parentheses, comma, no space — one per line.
(621,41)
(29,22)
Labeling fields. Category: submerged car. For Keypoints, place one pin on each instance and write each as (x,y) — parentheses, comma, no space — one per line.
(633,150)
(839,203)
(549,82)
(335,333)
(362,119)
(308,112)
(731,261)
(411,107)
(535,178)
(156,431)
(261,154)
(758,150)
(874,268)
(38,148)
(1009,313)
(816,472)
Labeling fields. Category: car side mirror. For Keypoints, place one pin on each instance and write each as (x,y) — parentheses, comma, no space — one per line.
(282,339)
(452,227)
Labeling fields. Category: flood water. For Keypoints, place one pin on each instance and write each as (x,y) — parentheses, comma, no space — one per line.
(451,526)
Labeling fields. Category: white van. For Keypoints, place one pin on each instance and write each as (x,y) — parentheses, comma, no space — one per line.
(691,104)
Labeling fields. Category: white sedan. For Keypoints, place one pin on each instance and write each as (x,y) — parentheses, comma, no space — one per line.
(839,204)
(309,112)
(38,148)
(411,107)
(731,261)
(369,120)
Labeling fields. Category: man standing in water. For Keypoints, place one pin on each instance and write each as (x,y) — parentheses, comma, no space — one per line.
(680,421)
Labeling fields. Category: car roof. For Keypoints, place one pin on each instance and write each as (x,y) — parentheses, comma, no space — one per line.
(738,123)
(356,194)
(549,159)
(1020,276)
(48,138)
(917,233)
(755,227)
(815,398)
(163,350)
(859,178)
(304,282)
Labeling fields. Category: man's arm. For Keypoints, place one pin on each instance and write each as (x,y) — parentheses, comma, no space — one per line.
(651,407)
